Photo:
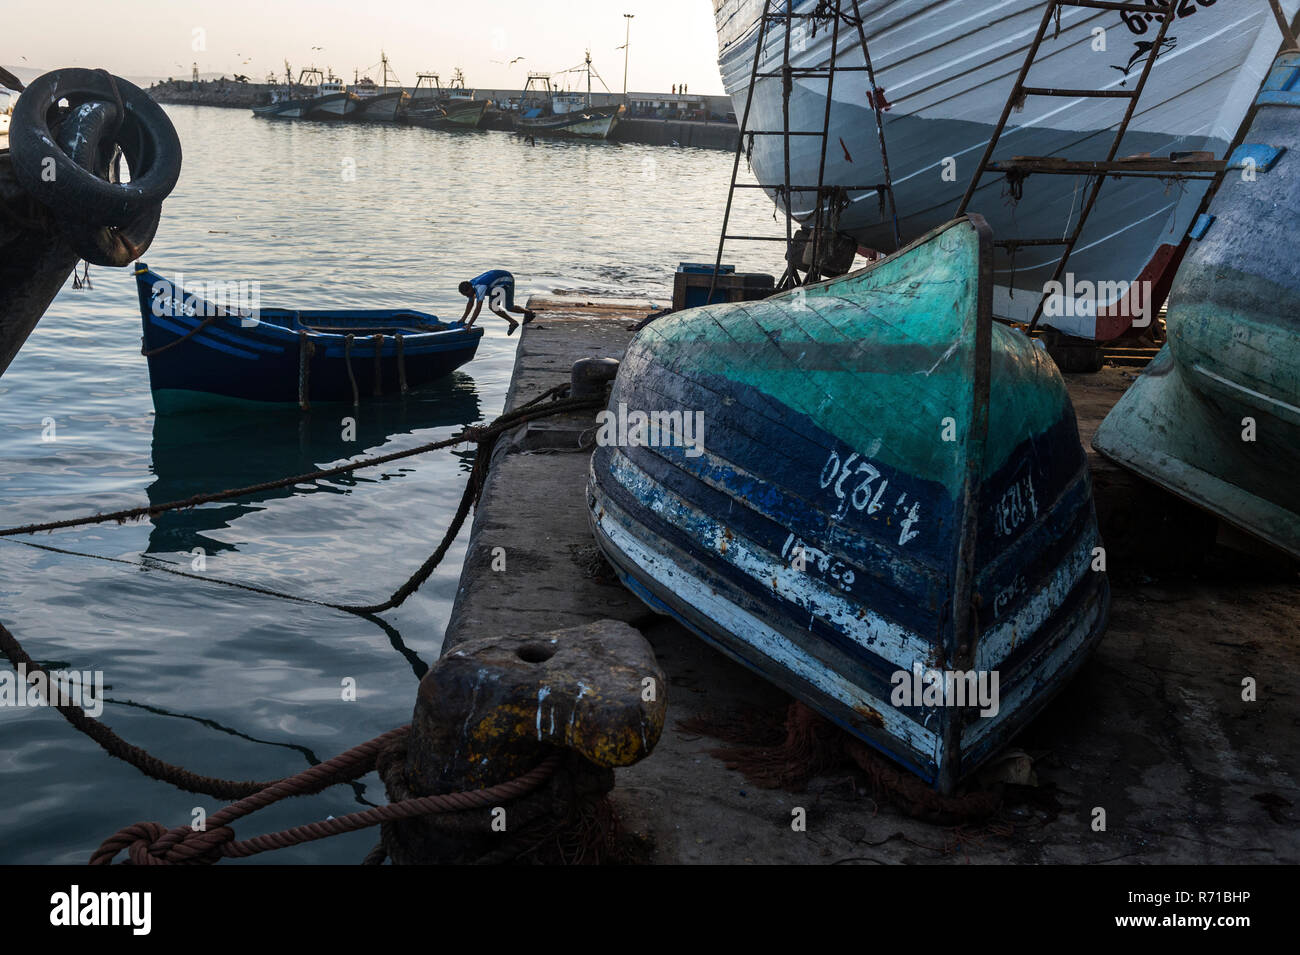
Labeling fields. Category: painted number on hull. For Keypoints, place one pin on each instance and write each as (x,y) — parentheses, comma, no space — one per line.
(1139,23)
(806,557)
(1018,505)
(850,480)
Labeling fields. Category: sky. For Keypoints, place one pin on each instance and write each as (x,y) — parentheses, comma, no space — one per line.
(673,41)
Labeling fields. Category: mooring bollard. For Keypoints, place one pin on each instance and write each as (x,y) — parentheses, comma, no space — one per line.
(589,376)
(494,708)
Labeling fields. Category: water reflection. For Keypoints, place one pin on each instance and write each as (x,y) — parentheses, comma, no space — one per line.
(205,453)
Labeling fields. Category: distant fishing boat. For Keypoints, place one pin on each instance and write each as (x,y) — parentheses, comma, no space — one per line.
(377,103)
(284,105)
(332,101)
(295,100)
(374,103)
(204,353)
(851,487)
(1215,418)
(945,69)
(462,102)
(547,111)
(437,108)
(312,97)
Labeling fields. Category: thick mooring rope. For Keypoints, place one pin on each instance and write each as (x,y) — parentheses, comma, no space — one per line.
(178,776)
(522,414)
(485,436)
(151,843)
(473,489)
(114,745)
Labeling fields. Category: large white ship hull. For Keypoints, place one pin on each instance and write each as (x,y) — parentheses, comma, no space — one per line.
(947,68)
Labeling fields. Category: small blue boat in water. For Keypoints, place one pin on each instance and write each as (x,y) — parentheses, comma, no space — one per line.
(869,493)
(206,353)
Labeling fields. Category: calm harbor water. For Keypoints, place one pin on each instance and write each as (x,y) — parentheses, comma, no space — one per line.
(224,681)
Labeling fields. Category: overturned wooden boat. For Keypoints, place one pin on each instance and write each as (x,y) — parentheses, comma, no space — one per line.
(883,488)
(224,350)
(1215,417)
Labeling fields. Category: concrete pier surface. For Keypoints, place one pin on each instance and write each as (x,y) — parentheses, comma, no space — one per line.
(1154,730)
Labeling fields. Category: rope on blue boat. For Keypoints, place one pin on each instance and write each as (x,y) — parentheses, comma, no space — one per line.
(218,315)
(305,351)
(401,363)
(347,361)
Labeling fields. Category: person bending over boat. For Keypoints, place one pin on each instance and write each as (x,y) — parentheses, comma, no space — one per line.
(497,288)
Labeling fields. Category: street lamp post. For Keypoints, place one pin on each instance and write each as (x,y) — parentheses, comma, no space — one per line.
(626,44)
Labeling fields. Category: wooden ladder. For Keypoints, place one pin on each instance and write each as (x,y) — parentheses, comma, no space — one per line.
(1099,171)
(835,12)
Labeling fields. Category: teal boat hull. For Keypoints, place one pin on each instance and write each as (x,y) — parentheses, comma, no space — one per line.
(1215,418)
(881,482)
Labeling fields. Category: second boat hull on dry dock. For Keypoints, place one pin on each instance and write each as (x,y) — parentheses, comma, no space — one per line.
(1215,418)
(883,483)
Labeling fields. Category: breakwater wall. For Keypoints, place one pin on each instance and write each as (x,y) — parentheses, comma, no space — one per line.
(669,132)
(701,133)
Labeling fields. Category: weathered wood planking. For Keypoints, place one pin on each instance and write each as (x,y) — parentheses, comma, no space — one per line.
(1215,418)
(850,423)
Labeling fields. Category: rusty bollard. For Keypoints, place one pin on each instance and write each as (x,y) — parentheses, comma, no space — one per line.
(494,708)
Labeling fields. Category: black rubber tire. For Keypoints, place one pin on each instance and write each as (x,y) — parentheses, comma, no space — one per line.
(114,246)
(85,138)
(74,193)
